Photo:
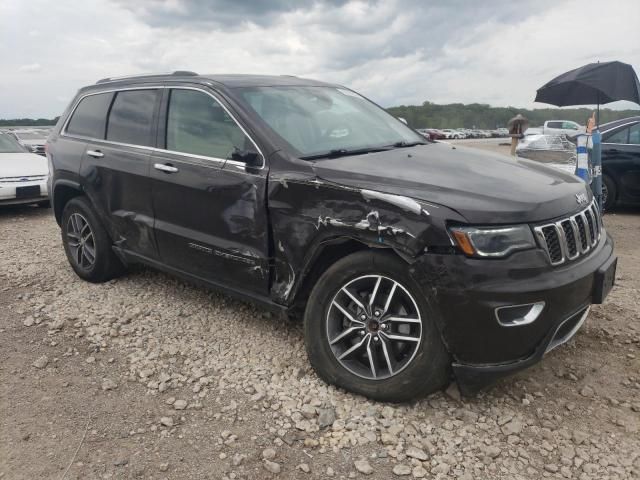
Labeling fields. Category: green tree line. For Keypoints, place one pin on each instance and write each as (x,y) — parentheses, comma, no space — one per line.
(453,115)
(28,122)
(478,115)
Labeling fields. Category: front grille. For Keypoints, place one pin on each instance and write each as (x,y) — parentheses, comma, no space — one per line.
(571,237)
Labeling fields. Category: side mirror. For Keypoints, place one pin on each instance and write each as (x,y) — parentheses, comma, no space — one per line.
(249,158)
(403,120)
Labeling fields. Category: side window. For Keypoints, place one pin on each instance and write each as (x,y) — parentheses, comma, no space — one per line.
(618,137)
(569,126)
(90,116)
(634,134)
(554,125)
(131,117)
(197,124)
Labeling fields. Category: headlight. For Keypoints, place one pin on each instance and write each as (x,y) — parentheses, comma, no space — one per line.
(492,241)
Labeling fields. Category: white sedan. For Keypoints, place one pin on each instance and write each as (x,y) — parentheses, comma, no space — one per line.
(23,175)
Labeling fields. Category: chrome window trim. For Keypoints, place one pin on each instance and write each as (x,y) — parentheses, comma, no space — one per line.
(64,133)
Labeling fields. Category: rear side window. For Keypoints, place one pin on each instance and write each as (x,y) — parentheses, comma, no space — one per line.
(89,117)
(131,117)
(554,125)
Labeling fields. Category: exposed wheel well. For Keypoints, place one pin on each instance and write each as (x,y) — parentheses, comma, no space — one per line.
(330,254)
(61,196)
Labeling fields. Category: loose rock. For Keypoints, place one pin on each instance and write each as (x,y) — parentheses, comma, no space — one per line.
(363,466)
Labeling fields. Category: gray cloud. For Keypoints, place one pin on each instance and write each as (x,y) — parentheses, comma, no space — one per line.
(393,51)
(225,14)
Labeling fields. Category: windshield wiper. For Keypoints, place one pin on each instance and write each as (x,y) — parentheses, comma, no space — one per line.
(343,152)
(403,144)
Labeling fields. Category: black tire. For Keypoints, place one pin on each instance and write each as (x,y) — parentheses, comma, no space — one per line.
(44,204)
(426,372)
(106,264)
(611,192)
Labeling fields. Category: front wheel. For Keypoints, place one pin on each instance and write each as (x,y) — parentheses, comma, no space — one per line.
(369,329)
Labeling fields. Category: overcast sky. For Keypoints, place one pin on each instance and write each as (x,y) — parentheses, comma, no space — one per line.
(393,51)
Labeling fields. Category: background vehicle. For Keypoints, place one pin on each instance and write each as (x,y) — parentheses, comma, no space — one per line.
(23,175)
(33,140)
(621,162)
(435,134)
(557,127)
(453,134)
(408,259)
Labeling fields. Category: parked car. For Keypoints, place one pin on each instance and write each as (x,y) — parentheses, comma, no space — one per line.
(424,132)
(557,127)
(436,134)
(409,260)
(23,175)
(33,140)
(452,134)
(621,162)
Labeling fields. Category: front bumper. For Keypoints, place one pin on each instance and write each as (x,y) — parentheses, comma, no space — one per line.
(464,294)
(10,192)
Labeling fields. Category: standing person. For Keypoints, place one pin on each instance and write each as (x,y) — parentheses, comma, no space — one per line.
(591,122)
(517,126)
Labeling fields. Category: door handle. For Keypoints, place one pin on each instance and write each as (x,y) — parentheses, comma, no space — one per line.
(95,153)
(165,168)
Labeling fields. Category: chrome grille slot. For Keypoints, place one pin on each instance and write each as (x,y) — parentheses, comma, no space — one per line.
(580,222)
(570,237)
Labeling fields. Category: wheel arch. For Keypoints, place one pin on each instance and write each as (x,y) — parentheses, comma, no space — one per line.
(63,191)
(327,254)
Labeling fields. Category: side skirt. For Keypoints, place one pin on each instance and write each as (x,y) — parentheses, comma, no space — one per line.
(129,257)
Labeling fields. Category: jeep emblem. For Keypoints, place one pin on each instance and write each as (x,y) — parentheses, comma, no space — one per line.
(581,198)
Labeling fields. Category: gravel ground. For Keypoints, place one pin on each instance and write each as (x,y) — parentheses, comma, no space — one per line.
(150,377)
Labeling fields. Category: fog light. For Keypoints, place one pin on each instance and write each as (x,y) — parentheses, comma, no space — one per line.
(518,315)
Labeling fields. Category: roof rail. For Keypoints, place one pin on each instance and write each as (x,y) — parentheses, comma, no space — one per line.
(177,73)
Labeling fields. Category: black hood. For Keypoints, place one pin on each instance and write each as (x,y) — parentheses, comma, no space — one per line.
(481,186)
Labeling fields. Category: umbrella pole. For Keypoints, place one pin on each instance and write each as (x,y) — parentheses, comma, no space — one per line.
(596,161)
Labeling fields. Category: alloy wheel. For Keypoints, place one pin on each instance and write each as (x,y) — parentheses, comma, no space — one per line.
(374,327)
(81,241)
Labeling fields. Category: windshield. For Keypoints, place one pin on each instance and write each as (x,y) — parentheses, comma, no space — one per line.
(319,120)
(9,145)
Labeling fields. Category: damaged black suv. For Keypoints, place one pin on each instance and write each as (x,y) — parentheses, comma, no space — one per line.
(412,262)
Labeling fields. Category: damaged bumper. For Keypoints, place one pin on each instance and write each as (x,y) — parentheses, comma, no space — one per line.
(500,316)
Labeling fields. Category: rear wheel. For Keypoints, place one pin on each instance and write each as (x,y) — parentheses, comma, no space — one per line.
(87,244)
(368,329)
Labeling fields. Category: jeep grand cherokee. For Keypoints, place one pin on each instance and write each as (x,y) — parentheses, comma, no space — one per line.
(412,262)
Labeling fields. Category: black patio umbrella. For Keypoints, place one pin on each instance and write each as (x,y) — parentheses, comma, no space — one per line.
(592,84)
